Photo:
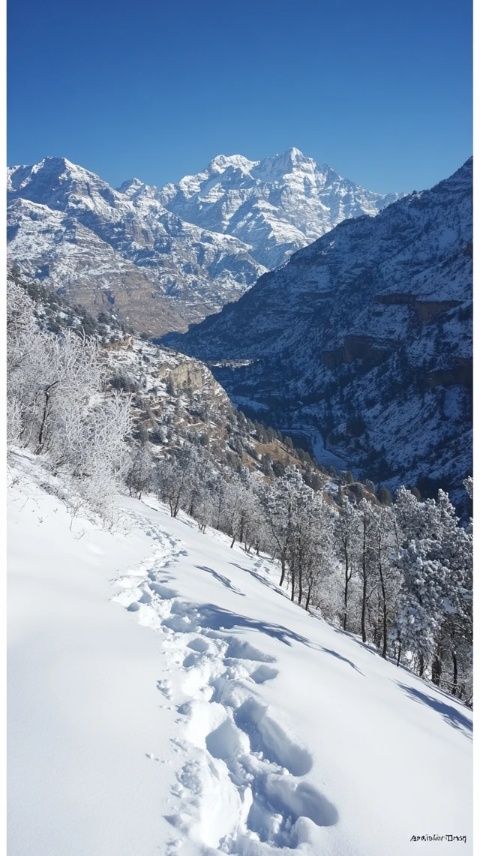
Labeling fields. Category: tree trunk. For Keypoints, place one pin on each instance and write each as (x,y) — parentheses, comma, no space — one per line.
(436,670)
(384,604)
(300,586)
(308,595)
(364,585)
(455,673)
(345,591)
(41,433)
(284,567)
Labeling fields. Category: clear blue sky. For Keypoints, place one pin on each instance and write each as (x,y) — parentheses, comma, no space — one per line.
(379,89)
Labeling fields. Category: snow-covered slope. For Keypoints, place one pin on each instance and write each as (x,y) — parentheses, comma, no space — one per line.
(363,340)
(275,205)
(71,230)
(167,698)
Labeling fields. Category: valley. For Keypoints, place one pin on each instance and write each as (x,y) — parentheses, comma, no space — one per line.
(364,338)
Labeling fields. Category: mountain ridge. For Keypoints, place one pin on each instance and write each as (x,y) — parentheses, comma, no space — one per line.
(363,336)
(175,265)
(277,204)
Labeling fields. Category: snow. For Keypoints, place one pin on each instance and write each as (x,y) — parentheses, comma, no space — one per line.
(166,697)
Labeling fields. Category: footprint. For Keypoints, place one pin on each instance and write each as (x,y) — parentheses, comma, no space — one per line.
(165,688)
(164,591)
(263,674)
(271,740)
(180,624)
(299,799)
(227,742)
(190,660)
(239,650)
(237,792)
(199,644)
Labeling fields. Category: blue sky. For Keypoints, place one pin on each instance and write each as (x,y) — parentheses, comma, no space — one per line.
(379,90)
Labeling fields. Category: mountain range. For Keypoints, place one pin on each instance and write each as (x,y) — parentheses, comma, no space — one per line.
(162,258)
(361,344)
(276,205)
(358,344)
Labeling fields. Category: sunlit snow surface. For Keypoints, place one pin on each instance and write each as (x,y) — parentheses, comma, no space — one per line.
(165,697)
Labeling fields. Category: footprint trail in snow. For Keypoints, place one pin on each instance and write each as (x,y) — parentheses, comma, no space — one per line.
(241,788)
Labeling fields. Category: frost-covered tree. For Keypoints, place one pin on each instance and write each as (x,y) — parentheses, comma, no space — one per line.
(434,609)
(170,483)
(242,509)
(347,538)
(385,577)
(314,541)
(367,558)
(140,472)
(57,403)
(281,500)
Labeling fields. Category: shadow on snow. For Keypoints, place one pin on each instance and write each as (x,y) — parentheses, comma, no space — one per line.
(448,713)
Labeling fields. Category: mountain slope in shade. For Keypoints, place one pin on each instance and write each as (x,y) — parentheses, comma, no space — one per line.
(362,342)
(275,205)
(70,229)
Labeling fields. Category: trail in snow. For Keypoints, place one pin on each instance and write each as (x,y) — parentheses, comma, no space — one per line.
(243,768)
(245,785)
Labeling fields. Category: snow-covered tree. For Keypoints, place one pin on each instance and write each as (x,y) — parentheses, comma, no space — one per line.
(435,560)
(281,500)
(140,472)
(241,509)
(347,539)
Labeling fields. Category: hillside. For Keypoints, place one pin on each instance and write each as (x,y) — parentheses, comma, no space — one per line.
(362,342)
(175,399)
(166,697)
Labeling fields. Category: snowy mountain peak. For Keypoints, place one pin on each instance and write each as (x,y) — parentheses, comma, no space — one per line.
(60,184)
(132,186)
(295,153)
(283,164)
(222,162)
(276,205)
(52,164)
